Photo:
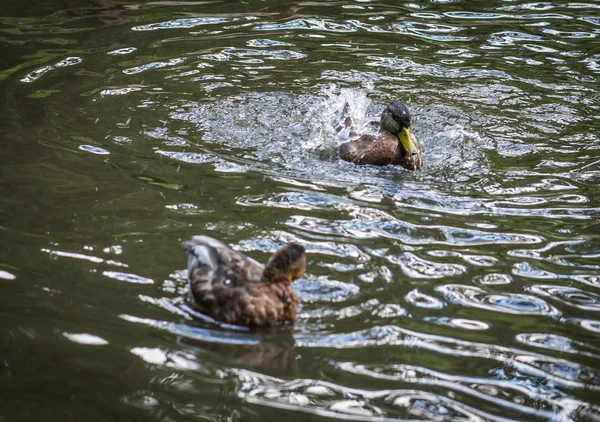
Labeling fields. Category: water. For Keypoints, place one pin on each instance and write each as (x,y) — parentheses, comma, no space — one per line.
(465,291)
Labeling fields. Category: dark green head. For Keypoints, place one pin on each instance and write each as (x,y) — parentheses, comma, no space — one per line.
(395,117)
(396,120)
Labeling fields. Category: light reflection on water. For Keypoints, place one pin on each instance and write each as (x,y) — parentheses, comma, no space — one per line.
(467,290)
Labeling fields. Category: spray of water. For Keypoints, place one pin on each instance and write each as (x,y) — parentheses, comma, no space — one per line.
(335,105)
(300,135)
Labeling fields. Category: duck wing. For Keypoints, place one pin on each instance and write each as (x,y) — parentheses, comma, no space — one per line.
(343,120)
(215,270)
(368,149)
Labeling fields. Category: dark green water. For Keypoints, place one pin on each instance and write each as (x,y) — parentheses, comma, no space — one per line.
(466,291)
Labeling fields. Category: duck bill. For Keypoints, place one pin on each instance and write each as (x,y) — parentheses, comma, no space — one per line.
(407,142)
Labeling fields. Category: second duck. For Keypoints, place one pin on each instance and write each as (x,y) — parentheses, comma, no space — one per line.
(233,288)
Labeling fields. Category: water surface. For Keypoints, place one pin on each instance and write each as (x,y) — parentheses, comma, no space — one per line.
(466,291)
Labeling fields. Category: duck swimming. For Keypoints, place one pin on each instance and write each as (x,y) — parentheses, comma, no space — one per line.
(395,143)
(233,288)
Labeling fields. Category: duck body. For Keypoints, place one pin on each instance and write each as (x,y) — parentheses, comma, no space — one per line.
(380,150)
(395,144)
(233,288)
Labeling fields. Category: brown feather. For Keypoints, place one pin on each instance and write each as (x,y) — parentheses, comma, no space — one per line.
(380,151)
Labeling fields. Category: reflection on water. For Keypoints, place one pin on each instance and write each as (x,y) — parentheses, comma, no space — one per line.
(467,290)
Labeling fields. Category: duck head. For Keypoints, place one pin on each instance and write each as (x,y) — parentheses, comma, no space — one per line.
(287,264)
(396,120)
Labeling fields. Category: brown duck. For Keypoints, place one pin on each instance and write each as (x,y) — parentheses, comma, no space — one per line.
(233,288)
(395,143)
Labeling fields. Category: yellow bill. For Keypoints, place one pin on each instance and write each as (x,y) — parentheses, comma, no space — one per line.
(407,142)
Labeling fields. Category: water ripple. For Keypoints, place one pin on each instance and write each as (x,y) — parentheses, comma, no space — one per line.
(182,23)
(318,24)
(5,275)
(94,149)
(370,223)
(571,296)
(463,324)
(127,277)
(253,56)
(153,66)
(38,73)
(85,338)
(525,269)
(561,371)
(321,289)
(505,394)
(198,158)
(510,303)
(416,267)
(364,405)
(416,298)
(558,343)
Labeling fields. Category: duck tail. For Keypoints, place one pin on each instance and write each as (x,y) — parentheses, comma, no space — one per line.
(203,252)
(286,265)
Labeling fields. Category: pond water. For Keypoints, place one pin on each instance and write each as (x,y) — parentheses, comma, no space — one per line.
(469,290)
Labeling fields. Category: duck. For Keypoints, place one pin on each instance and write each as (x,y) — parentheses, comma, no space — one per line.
(395,144)
(231,287)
